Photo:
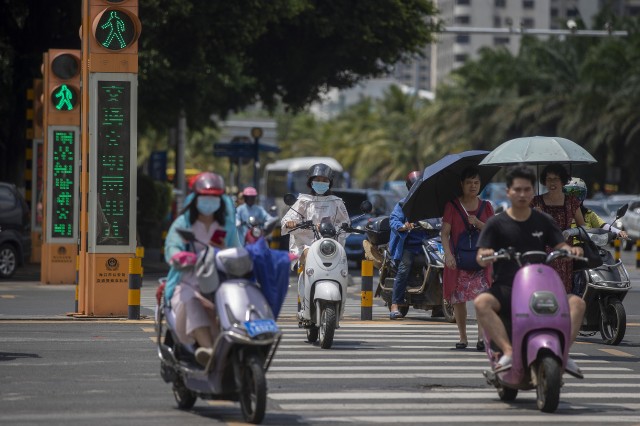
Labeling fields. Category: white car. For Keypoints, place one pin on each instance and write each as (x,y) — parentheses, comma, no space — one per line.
(631,223)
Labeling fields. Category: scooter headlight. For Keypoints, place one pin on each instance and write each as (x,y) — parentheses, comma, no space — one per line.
(328,248)
(544,303)
(256,232)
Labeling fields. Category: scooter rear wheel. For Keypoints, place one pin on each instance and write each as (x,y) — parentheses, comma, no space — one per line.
(549,379)
(507,394)
(447,309)
(253,395)
(312,334)
(613,331)
(184,397)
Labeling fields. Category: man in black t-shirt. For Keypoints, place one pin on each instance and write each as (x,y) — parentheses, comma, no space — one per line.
(524,229)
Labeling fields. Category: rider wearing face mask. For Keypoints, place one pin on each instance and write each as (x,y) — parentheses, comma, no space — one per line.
(319,206)
(249,209)
(211,216)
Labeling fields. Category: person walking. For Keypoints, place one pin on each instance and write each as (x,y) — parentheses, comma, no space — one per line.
(563,208)
(464,214)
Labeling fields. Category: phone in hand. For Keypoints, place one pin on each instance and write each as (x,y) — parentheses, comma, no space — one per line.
(218,237)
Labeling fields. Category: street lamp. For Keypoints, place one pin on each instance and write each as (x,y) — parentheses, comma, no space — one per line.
(256,134)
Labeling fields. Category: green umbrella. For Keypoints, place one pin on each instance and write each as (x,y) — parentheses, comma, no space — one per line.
(538,150)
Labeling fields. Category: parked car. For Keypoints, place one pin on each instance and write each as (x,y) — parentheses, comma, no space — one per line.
(631,224)
(383,202)
(15,230)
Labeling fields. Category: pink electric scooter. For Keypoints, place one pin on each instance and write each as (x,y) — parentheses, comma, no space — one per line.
(540,330)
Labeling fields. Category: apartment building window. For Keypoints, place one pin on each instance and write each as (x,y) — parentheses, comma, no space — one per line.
(528,4)
(554,12)
(572,12)
(528,22)
(462,19)
(463,2)
(461,57)
(633,10)
(463,39)
(497,22)
(500,41)
(501,3)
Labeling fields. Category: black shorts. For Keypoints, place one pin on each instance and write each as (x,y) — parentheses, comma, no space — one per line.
(503,294)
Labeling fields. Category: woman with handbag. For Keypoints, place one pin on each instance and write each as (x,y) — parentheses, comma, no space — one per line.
(463,278)
(563,208)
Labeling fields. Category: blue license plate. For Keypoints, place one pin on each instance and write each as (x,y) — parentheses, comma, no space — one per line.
(261,326)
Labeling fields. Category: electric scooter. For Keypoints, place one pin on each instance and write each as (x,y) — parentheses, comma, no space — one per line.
(322,285)
(247,335)
(539,328)
(606,287)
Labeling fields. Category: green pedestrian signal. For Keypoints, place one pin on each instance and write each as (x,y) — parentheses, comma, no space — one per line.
(64,98)
(115,30)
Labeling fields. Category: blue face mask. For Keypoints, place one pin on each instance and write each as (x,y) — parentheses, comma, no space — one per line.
(320,187)
(207,205)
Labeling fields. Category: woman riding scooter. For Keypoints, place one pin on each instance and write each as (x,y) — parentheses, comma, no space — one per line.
(211,216)
(319,206)
(578,189)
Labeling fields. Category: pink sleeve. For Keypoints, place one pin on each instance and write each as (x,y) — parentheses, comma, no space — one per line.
(448,213)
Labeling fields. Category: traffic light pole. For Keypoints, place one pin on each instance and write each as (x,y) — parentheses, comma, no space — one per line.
(110,29)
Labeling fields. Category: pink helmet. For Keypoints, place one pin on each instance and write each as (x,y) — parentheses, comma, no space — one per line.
(250,191)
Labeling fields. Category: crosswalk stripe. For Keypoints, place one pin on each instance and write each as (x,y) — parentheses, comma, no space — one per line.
(317,368)
(376,375)
(452,393)
(279,360)
(474,419)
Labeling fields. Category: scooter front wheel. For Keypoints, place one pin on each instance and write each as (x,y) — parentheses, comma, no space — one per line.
(613,323)
(253,395)
(328,321)
(549,380)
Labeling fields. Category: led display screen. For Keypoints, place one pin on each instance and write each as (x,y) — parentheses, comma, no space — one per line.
(113,162)
(63,183)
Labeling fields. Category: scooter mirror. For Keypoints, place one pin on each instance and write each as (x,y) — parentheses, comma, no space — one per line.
(366,206)
(621,211)
(186,234)
(290,199)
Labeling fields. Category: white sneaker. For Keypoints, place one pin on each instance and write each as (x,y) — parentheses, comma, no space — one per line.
(573,369)
(203,355)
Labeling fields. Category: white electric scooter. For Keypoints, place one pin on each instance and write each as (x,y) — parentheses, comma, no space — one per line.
(322,286)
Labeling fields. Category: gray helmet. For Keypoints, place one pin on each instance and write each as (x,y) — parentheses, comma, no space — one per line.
(320,169)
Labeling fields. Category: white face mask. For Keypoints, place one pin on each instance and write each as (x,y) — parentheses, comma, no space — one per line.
(207,204)
(320,187)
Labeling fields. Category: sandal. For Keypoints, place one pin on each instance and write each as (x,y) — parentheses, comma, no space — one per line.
(480,345)
(461,345)
(504,364)
(395,315)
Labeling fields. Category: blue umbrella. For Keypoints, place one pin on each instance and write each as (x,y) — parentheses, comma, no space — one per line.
(440,183)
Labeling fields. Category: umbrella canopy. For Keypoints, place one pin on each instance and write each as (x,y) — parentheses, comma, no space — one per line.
(538,150)
(440,183)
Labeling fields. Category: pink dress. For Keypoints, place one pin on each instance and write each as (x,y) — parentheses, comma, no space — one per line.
(563,216)
(460,285)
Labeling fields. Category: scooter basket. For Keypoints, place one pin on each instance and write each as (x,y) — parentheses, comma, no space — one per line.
(378,230)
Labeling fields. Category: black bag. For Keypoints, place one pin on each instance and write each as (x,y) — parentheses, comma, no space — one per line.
(465,249)
(591,252)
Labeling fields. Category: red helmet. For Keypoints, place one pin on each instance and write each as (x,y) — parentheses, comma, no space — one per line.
(412,177)
(207,183)
(250,191)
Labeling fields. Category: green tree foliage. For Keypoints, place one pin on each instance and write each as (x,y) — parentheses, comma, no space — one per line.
(212,57)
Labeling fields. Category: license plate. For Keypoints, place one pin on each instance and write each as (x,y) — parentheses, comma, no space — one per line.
(261,326)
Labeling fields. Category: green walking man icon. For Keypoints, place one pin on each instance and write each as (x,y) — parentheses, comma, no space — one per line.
(66,96)
(116,28)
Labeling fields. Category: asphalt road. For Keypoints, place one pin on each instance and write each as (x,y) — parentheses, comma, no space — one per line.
(58,370)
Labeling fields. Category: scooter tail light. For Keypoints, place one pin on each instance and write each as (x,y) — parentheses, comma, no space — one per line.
(544,303)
